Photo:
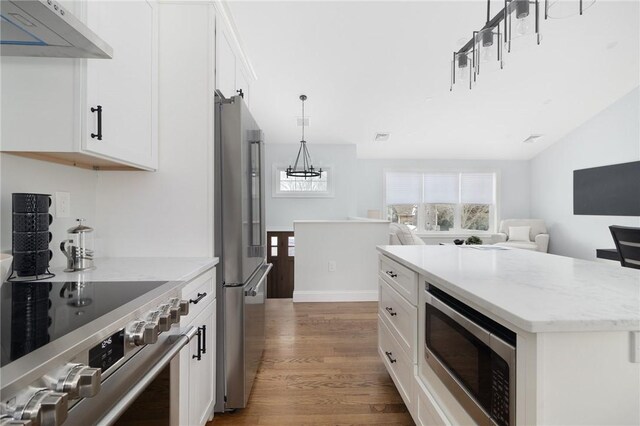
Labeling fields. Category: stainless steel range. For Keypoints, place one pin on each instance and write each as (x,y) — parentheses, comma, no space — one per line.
(81,352)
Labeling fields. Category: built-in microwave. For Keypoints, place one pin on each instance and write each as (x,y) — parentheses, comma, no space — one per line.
(473,355)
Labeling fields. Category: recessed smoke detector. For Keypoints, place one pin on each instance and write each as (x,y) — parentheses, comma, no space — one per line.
(381,137)
(532,138)
(303,121)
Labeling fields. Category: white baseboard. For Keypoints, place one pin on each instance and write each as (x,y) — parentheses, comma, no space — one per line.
(335,296)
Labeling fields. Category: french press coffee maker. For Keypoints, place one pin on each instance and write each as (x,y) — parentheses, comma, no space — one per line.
(78,248)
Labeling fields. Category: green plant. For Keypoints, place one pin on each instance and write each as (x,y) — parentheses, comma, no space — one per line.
(473,240)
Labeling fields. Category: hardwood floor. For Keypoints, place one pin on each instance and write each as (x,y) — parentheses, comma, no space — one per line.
(321,367)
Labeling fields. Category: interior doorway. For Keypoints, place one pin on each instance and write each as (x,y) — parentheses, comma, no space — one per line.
(281,253)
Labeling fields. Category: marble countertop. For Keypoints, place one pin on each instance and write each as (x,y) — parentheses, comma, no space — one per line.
(536,292)
(140,269)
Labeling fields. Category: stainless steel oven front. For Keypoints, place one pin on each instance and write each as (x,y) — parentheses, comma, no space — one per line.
(473,355)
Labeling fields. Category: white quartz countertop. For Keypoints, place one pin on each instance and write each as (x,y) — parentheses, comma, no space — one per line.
(536,292)
(141,269)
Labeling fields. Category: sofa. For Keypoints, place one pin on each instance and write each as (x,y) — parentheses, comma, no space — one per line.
(512,234)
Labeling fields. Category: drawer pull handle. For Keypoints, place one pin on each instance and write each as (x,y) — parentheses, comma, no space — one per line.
(391,274)
(199,298)
(390,310)
(388,354)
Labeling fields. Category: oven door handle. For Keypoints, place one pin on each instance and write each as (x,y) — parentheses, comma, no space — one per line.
(502,348)
(128,398)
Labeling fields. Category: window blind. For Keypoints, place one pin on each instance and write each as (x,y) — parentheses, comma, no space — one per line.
(403,188)
(477,188)
(441,188)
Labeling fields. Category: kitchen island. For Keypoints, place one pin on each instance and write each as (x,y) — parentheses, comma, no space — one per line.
(575,326)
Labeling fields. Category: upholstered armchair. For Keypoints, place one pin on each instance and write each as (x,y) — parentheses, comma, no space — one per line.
(400,234)
(513,233)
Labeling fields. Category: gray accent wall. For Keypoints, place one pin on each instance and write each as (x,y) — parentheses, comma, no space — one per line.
(610,137)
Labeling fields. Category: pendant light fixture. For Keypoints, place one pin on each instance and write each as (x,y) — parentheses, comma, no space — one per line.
(522,22)
(488,49)
(558,9)
(462,70)
(303,159)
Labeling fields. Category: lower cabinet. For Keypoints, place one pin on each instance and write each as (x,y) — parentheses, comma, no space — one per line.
(202,368)
(196,375)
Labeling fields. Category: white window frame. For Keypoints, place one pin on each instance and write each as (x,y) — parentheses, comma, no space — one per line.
(456,230)
(275,185)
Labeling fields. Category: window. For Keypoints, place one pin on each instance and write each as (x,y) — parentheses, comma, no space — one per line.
(442,202)
(283,186)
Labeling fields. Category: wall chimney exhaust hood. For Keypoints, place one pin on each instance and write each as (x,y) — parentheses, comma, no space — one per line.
(45,28)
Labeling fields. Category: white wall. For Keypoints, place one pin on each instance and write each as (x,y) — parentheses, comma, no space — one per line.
(19,174)
(169,213)
(513,194)
(352,246)
(612,136)
(281,212)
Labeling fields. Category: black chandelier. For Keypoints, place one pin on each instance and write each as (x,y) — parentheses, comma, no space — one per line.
(307,170)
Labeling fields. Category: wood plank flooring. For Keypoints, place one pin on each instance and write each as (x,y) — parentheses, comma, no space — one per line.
(321,367)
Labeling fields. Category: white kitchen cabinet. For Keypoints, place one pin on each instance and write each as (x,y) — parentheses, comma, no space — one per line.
(126,86)
(197,373)
(202,368)
(233,71)
(225,64)
(47,102)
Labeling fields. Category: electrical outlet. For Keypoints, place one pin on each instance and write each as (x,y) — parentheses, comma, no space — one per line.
(332,266)
(63,204)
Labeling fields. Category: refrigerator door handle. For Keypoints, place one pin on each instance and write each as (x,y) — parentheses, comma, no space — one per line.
(254,291)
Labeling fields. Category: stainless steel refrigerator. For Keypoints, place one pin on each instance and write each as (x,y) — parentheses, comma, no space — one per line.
(240,243)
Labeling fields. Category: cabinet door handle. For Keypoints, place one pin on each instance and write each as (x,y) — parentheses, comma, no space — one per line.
(390,310)
(199,355)
(98,135)
(391,274)
(204,339)
(388,354)
(199,298)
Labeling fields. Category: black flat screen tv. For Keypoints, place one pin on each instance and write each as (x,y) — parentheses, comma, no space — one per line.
(609,190)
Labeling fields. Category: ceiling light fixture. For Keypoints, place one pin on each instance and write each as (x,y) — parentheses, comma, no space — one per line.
(303,159)
(521,19)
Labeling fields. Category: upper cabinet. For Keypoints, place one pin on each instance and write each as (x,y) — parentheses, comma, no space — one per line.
(233,70)
(94,113)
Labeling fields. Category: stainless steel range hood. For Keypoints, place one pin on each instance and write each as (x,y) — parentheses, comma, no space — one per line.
(45,28)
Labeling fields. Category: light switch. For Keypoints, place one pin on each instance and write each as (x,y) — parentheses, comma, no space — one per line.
(332,266)
(63,204)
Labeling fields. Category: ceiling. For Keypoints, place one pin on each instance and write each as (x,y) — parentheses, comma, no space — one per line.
(370,67)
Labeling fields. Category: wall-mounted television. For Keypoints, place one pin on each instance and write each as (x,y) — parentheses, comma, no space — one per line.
(609,190)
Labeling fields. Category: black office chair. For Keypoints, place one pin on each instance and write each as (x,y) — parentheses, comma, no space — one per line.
(627,241)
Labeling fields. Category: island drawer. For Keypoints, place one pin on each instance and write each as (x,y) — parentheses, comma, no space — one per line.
(199,292)
(399,366)
(401,278)
(402,317)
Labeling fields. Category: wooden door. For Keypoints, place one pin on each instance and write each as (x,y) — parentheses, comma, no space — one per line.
(281,253)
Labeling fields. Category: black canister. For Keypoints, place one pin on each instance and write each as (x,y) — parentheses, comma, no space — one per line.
(31,236)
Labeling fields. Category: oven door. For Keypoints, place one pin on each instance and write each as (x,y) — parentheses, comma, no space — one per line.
(475,365)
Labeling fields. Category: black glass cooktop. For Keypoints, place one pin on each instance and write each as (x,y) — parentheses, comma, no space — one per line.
(36,313)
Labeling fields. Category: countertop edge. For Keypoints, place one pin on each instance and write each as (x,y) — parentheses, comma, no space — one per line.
(521,323)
